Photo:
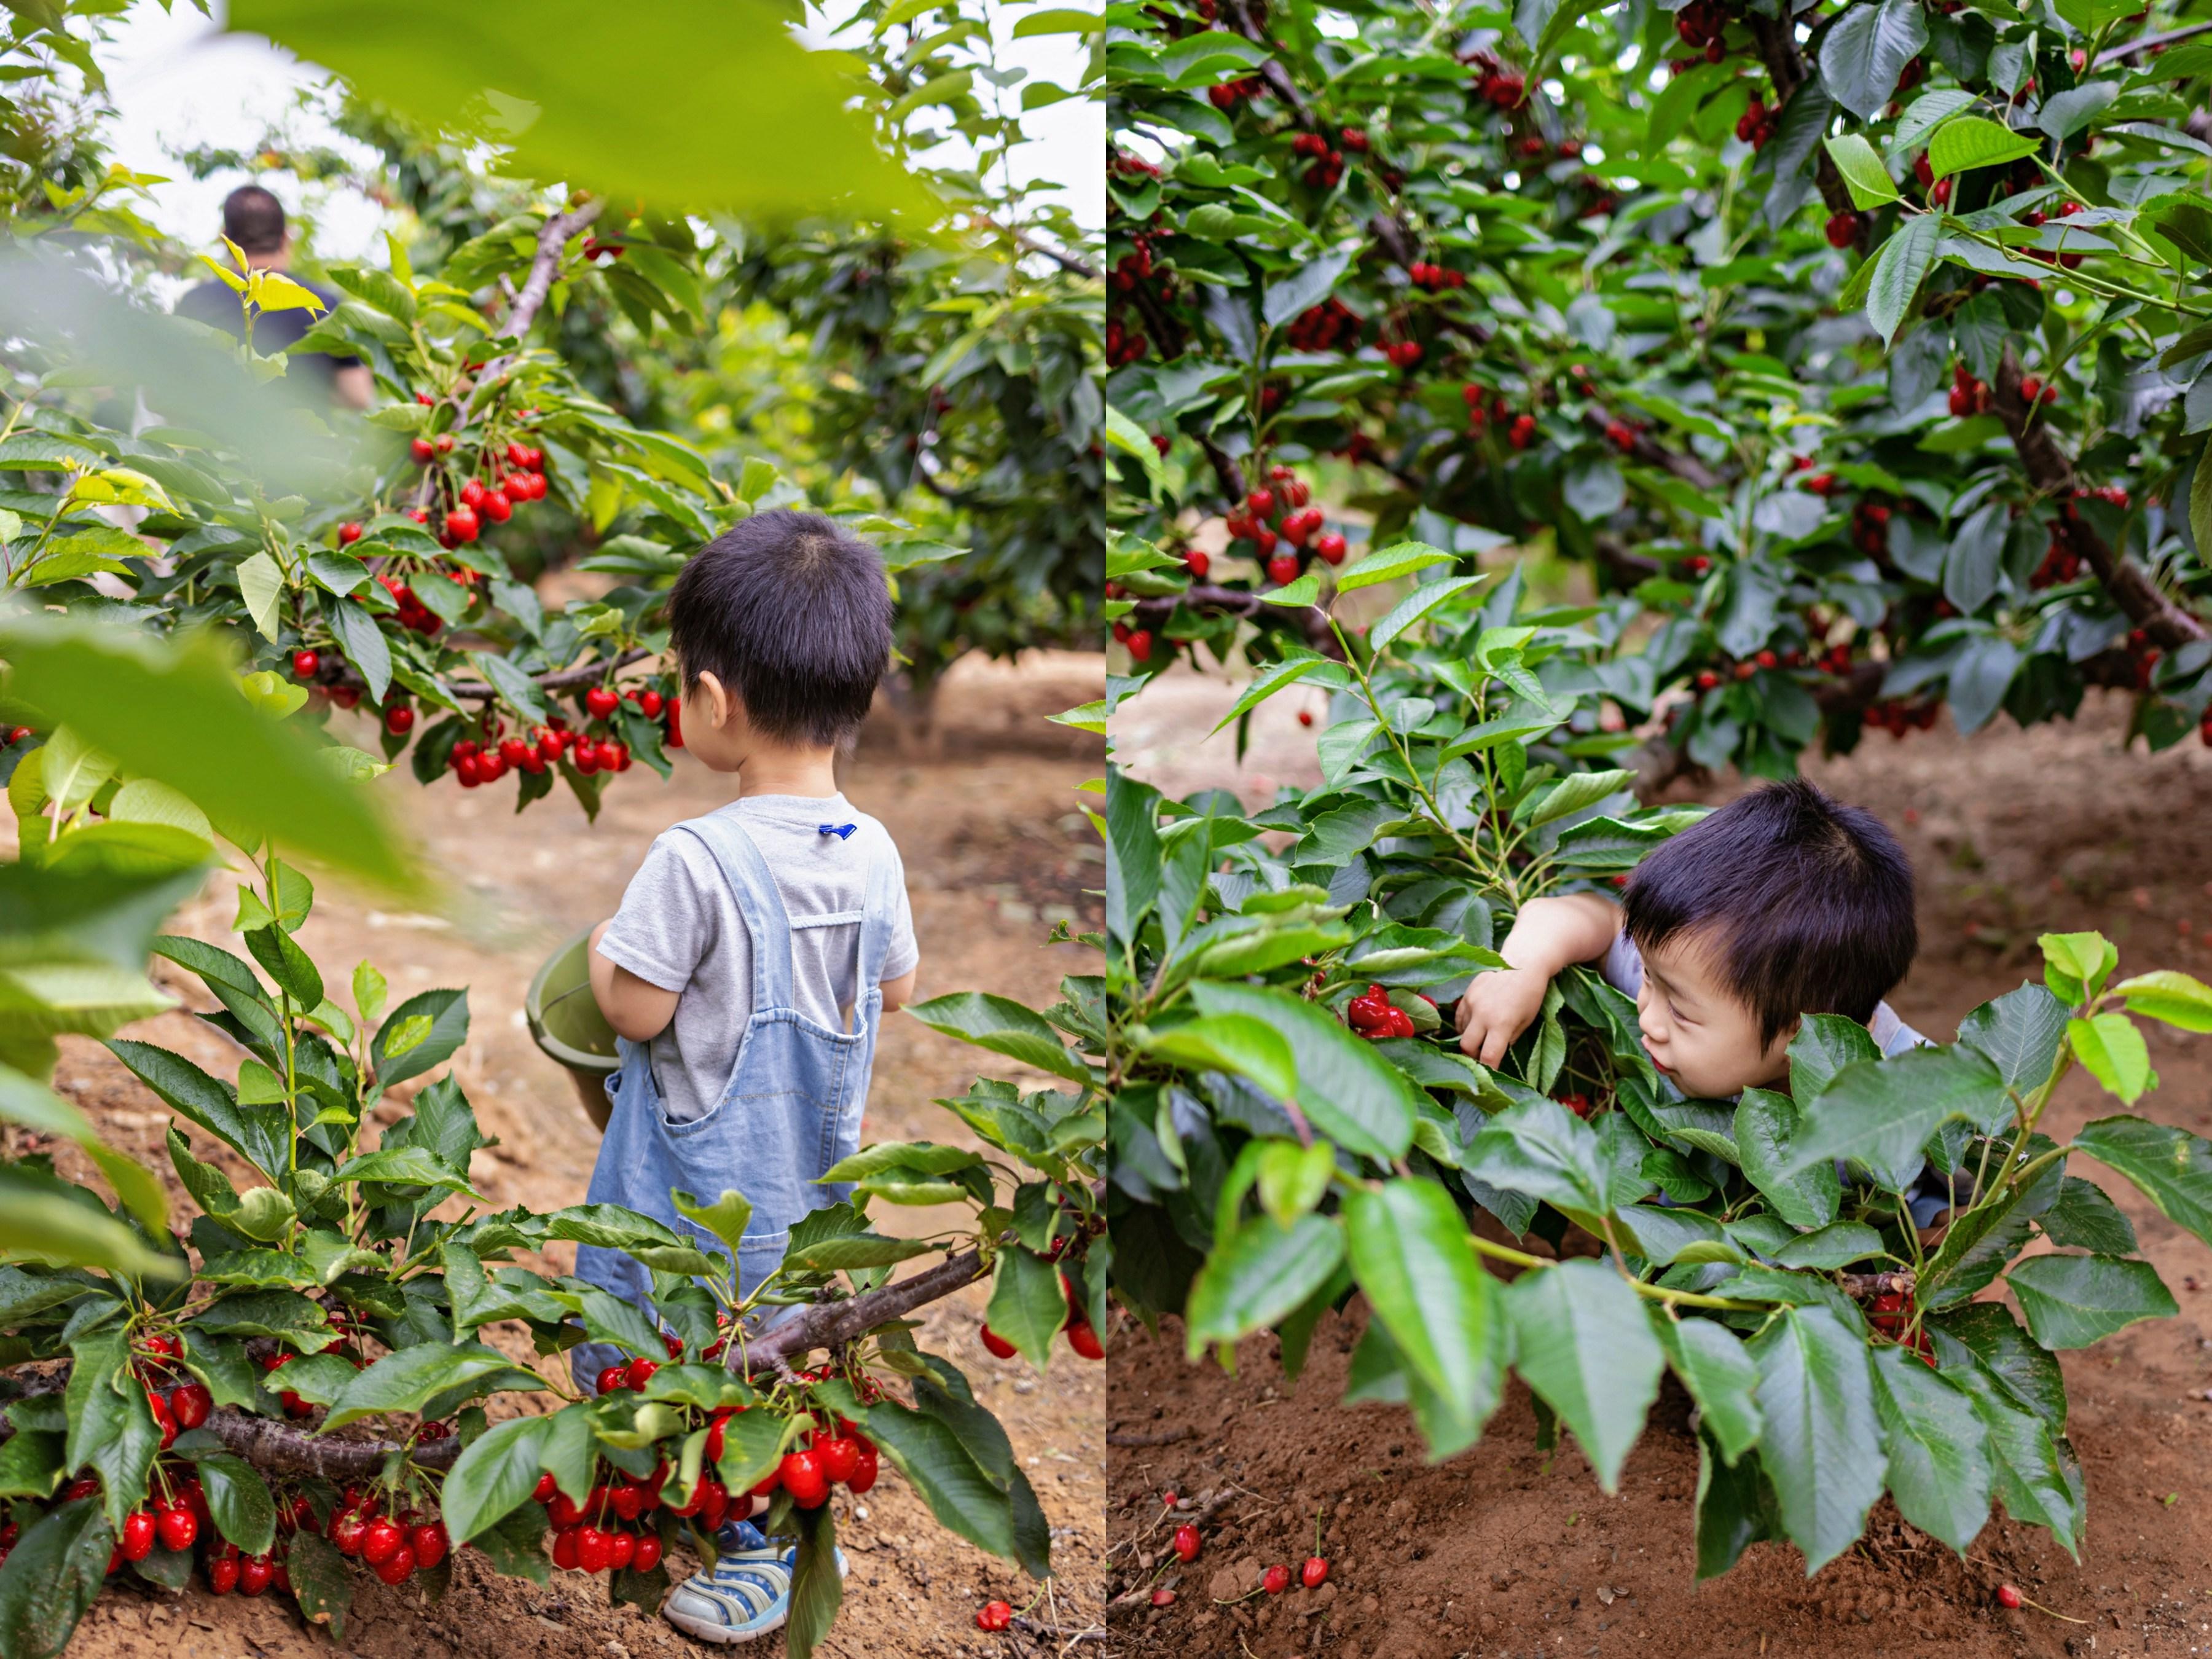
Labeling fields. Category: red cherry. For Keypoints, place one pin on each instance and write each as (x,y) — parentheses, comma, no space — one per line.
(462,524)
(304,665)
(2009,1596)
(1197,562)
(802,1477)
(612,1378)
(621,1547)
(594,1549)
(1186,1541)
(601,701)
(641,1371)
(190,1404)
(496,507)
(445,444)
(381,1540)
(164,1419)
(1282,570)
(517,455)
(178,1527)
(995,1615)
(396,1569)
(864,1472)
(564,1549)
(399,720)
(348,534)
(1141,645)
(1315,1571)
(648,1556)
(472,493)
(839,1456)
(998,1345)
(1276,1579)
(255,1574)
(1305,717)
(429,1542)
(137,1536)
(223,1576)
(1842,230)
(544,1490)
(423,450)
(649,704)
(1331,547)
(1260,503)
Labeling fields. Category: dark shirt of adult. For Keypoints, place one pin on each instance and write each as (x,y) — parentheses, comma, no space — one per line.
(218,304)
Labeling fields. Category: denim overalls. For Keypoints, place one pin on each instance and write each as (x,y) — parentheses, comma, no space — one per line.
(791,1109)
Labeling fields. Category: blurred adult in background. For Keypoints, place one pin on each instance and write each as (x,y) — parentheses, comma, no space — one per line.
(254,220)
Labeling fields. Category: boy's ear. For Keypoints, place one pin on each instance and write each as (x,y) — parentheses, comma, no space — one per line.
(718,699)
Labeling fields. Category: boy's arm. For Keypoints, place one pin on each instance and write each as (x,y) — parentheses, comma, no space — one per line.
(897,993)
(1548,935)
(636,1009)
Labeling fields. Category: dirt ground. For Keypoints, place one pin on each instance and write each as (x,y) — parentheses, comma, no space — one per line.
(1501,1551)
(996,851)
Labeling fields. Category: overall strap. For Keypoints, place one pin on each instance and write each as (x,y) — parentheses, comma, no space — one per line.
(758,902)
(882,904)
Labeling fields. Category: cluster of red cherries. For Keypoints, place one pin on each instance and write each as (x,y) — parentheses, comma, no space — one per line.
(1494,83)
(394,1545)
(1520,433)
(1229,94)
(1889,1314)
(1329,327)
(1276,515)
(487,500)
(1374,1016)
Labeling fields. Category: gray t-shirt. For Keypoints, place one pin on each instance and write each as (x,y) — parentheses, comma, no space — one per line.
(679,928)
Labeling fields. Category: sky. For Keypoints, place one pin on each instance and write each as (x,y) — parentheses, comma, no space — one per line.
(177,81)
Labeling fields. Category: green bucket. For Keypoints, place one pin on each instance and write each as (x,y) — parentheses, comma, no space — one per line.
(566,1021)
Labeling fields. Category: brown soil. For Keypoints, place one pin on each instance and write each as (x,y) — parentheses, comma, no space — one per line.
(1501,1551)
(996,850)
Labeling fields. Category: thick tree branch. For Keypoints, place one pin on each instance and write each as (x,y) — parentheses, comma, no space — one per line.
(2148,42)
(1236,602)
(1684,466)
(1230,475)
(2052,473)
(552,237)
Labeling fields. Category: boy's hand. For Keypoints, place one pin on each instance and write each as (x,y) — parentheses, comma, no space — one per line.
(1496,1008)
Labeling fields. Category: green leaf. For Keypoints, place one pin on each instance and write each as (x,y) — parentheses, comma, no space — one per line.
(1767,1127)
(584,98)
(2085,1218)
(1410,1255)
(1824,1045)
(1897,269)
(2024,1460)
(726,1218)
(1259,1279)
(284,961)
(1863,173)
(321,1580)
(1968,142)
(1348,1091)
(1306,286)
(1390,563)
(405,1380)
(1582,1342)
(496,1473)
(366,647)
(1836,1245)
(1938,1449)
(1736,1509)
(1415,605)
(2019,1033)
(1721,1375)
(2177,998)
(1821,1445)
(2172,1167)
(262,1135)
(1865,52)
(1230,1042)
(261,586)
(2075,965)
(1882,1112)
(2113,1052)
(938,1466)
(448,1013)
(817,1588)
(1987,1333)
(51,1576)
(1028,1306)
(1003,1026)
(1275,677)
(1575,792)
(238,1497)
(2072,1301)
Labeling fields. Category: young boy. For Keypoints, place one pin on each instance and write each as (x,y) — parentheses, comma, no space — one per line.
(1783,903)
(756,949)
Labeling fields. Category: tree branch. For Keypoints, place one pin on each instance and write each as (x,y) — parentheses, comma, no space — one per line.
(564,679)
(552,237)
(1785,67)
(2052,473)
(1236,602)
(2116,54)
(1683,465)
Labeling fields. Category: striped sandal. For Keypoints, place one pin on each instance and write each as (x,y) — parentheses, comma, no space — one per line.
(747,1595)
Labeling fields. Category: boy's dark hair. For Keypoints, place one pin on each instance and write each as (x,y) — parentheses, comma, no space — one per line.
(253,219)
(790,612)
(1806,903)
